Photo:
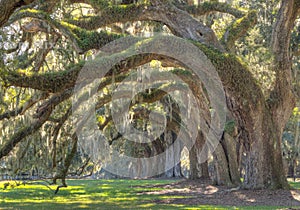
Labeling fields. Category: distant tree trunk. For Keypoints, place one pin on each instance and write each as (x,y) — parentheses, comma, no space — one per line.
(292,169)
(62,174)
(229,145)
(198,167)
(226,163)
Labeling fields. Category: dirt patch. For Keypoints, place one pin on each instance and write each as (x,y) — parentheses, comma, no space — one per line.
(203,193)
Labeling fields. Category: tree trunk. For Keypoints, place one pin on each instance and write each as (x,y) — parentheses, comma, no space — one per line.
(264,163)
(198,167)
(221,169)
(226,163)
(229,144)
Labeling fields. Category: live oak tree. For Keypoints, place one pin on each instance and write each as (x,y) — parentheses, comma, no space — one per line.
(44,77)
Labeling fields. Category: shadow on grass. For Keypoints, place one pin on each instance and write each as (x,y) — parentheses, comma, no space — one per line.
(142,194)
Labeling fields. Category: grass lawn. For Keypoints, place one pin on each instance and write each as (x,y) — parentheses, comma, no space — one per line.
(98,194)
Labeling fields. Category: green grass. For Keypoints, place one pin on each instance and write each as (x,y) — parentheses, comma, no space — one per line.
(295,185)
(97,194)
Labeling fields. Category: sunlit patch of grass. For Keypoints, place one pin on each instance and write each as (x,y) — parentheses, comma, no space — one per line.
(99,194)
(295,185)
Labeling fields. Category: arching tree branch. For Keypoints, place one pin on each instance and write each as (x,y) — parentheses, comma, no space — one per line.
(179,21)
(238,29)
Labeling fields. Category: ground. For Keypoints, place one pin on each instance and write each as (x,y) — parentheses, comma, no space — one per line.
(202,192)
(142,194)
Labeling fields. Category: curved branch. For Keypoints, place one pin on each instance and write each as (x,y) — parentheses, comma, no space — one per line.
(59,81)
(179,21)
(7,8)
(112,14)
(41,15)
(281,35)
(81,39)
(43,114)
(29,103)
(48,82)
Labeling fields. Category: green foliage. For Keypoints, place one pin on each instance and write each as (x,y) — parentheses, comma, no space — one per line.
(100,4)
(291,139)
(255,47)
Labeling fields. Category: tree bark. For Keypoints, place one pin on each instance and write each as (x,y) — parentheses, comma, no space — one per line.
(198,167)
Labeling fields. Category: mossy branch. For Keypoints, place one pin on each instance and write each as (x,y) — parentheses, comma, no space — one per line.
(48,82)
(7,8)
(235,76)
(112,14)
(44,112)
(212,6)
(179,22)
(238,29)
(53,23)
(92,39)
(81,39)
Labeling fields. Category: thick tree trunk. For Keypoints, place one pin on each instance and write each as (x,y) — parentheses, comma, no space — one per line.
(264,163)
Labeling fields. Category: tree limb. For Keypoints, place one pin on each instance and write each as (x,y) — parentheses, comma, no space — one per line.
(282,98)
(7,8)
(179,22)
(43,115)
(238,29)
(21,110)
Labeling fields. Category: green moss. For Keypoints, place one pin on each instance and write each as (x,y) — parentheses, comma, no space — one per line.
(111,14)
(99,4)
(235,76)
(239,28)
(181,72)
(33,11)
(229,127)
(90,39)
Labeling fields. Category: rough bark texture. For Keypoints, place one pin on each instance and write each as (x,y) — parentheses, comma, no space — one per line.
(221,169)
(229,144)
(198,167)
(226,164)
